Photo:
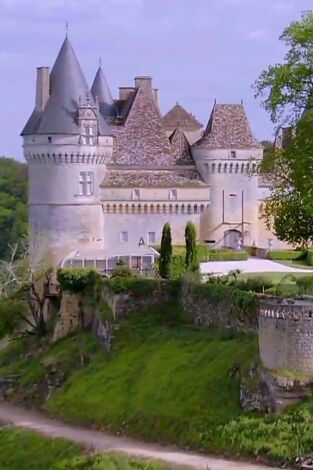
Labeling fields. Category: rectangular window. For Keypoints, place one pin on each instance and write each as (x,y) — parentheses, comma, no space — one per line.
(136,194)
(233,154)
(151,238)
(86,186)
(173,194)
(124,237)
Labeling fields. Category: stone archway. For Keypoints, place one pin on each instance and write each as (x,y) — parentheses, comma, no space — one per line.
(232,239)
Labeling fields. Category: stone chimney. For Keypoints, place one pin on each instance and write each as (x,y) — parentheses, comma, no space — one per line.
(42,88)
(156,96)
(125,91)
(144,82)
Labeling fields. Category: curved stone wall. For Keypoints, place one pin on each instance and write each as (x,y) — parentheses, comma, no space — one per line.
(286,336)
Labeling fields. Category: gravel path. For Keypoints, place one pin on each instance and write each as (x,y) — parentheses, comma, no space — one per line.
(104,442)
(251,265)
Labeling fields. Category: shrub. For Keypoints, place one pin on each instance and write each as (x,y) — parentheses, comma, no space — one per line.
(78,279)
(133,285)
(165,259)
(191,248)
(305,284)
(310,257)
(122,271)
(178,266)
(284,255)
(11,313)
(257,284)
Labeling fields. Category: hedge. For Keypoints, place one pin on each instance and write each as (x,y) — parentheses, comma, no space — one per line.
(284,255)
(227,256)
(78,279)
(309,257)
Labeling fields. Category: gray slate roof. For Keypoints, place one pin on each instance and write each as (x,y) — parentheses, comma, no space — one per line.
(178,116)
(67,84)
(100,90)
(228,127)
(122,178)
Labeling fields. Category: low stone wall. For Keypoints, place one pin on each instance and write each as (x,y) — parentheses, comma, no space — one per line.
(124,304)
(222,315)
(286,336)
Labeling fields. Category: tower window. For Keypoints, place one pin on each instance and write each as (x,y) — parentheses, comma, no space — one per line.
(233,154)
(136,194)
(173,194)
(49,139)
(86,184)
(124,237)
(88,136)
(151,238)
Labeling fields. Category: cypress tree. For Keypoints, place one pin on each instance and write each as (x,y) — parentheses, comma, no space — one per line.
(165,259)
(191,247)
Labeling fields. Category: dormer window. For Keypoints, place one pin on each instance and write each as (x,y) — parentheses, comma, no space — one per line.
(173,194)
(233,154)
(135,194)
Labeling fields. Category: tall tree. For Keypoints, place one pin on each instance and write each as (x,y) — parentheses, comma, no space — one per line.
(191,246)
(287,93)
(13,204)
(166,251)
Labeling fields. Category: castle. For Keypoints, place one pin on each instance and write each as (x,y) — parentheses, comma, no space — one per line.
(106,174)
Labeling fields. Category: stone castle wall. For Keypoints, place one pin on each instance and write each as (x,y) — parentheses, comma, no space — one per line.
(286,336)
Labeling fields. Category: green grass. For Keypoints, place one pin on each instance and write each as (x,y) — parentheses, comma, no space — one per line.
(20,449)
(164,381)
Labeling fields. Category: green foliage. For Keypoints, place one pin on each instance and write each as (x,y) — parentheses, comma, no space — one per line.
(132,284)
(310,257)
(284,254)
(20,449)
(165,258)
(178,266)
(268,156)
(191,247)
(305,284)
(256,284)
(227,255)
(122,271)
(11,313)
(286,89)
(289,208)
(77,279)
(13,206)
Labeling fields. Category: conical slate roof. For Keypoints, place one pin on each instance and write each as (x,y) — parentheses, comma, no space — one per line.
(101,91)
(67,84)
(228,127)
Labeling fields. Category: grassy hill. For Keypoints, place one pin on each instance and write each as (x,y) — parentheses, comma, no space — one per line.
(163,381)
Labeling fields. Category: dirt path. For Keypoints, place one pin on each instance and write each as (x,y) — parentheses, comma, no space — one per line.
(101,441)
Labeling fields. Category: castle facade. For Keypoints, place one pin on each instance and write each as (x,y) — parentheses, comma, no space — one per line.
(106,174)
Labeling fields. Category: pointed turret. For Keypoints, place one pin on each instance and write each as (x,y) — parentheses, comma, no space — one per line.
(67,84)
(100,91)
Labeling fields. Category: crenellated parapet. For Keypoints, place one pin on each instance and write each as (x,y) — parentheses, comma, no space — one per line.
(155,208)
(66,158)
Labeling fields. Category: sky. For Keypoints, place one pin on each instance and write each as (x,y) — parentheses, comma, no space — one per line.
(195,50)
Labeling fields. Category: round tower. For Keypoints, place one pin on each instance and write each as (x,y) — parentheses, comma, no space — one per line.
(227,157)
(66,143)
